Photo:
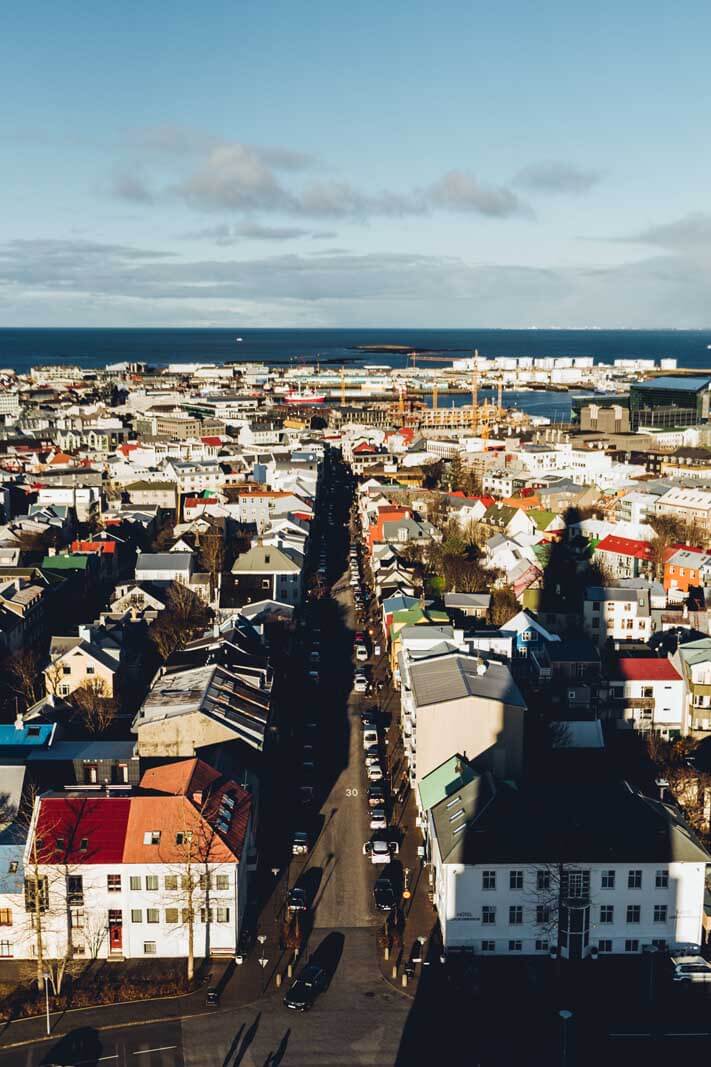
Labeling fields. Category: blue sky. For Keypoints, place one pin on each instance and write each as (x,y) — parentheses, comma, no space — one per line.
(322,164)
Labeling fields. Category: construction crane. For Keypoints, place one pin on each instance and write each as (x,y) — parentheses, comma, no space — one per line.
(475,391)
(343,386)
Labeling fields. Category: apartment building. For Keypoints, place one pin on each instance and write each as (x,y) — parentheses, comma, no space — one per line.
(649,694)
(620,614)
(565,869)
(691,505)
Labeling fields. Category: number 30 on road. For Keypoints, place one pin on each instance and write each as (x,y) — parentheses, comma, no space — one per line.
(351,792)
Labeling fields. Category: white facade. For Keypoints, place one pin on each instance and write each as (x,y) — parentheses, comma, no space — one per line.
(621,619)
(667,909)
(651,704)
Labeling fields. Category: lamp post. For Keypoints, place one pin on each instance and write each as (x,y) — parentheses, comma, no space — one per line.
(565,1017)
(46,1000)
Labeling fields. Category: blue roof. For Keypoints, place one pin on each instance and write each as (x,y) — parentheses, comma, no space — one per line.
(30,734)
(682,384)
(12,881)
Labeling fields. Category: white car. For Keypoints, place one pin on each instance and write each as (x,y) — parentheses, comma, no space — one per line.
(360,683)
(371,760)
(380,851)
(691,969)
(378,819)
(361,653)
(375,773)
(354,579)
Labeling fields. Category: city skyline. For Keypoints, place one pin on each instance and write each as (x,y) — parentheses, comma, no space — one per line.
(270,167)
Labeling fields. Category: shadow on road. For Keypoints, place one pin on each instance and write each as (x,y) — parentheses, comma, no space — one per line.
(328,954)
(275,1058)
(78,1046)
(246,1042)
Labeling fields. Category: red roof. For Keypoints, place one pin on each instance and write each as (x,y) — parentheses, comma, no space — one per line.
(104,547)
(625,546)
(217,441)
(364,447)
(65,823)
(194,501)
(647,670)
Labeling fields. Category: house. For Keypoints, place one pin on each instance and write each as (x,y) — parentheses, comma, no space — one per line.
(620,614)
(693,661)
(266,572)
(80,661)
(649,694)
(560,869)
(686,567)
(530,635)
(189,708)
(511,521)
(164,567)
(129,873)
(467,605)
(468,703)
(625,557)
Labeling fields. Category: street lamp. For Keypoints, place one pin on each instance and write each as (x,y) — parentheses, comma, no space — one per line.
(565,1017)
(46,999)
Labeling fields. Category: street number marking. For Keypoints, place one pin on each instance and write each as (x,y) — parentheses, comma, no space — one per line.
(351,792)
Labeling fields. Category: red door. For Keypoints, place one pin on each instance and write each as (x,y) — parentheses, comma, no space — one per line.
(115,938)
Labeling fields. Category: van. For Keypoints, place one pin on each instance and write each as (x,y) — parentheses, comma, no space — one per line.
(370,737)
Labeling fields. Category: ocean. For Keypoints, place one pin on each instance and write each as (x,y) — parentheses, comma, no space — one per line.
(21,348)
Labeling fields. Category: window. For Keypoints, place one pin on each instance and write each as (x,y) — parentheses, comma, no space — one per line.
(543,914)
(84,844)
(5,949)
(206,915)
(515,915)
(149,948)
(515,879)
(135,881)
(222,881)
(633,913)
(607,913)
(661,880)
(5,916)
(541,946)
(171,916)
(152,915)
(515,946)
(90,670)
(136,915)
(12,867)
(575,883)
(265,583)
(608,880)
(543,880)
(660,913)
(66,670)
(631,945)
(151,837)
(77,918)
(151,881)
(113,883)
(488,879)
(634,880)
(206,881)
(604,945)
(183,837)
(223,915)
(488,946)
(75,889)
(488,915)
(659,943)
(647,692)
(60,844)
(171,882)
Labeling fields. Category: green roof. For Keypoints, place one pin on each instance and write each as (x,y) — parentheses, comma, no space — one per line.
(542,518)
(444,780)
(68,562)
(696,651)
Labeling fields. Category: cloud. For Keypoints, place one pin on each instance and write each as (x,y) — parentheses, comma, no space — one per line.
(225,234)
(690,233)
(555,177)
(459,191)
(216,174)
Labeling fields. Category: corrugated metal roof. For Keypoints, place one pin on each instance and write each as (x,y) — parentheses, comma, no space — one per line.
(454,677)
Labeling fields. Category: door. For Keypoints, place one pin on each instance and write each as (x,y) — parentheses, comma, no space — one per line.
(115,932)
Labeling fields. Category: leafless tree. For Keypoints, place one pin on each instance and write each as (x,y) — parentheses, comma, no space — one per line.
(184,616)
(25,675)
(95,705)
(504,605)
(212,557)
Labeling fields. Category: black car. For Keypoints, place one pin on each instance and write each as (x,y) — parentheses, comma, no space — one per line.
(306,988)
(213,997)
(384,894)
(296,900)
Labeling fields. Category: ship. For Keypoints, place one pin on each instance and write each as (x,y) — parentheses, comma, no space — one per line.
(305,396)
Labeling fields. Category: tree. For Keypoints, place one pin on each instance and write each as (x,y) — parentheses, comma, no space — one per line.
(95,705)
(184,617)
(670,530)
(504,605)
(25,675)
(212,557)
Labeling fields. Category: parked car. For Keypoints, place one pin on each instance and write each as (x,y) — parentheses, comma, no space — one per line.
(378,819)
(376,795)
(370,736)
(314,676)
(296,900)
(375,773)
(380,851)
(360,683)
(384,894)
(304,989)
(691,969)
(300,843)
(212,998)
(361,653)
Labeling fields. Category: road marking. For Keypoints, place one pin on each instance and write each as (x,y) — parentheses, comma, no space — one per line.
(163,1048)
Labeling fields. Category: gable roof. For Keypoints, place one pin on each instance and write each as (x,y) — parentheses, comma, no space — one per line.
(264,559)
(625,546)
(456,676)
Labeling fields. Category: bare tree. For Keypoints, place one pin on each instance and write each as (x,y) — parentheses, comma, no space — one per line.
(212,557)
(25,675)
(95,705)
(504,605)
(184,616)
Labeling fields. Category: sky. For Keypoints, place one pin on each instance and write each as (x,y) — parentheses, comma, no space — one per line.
(463,164)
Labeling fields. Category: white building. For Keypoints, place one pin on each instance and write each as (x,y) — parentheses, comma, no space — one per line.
(124,873)
(620,614)
(649,694)
(558,868)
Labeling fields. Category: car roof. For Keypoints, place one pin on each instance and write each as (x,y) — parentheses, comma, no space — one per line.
(685,960)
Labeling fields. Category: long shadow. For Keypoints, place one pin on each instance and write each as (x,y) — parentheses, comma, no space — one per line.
(233,1047)
(78,1046)
(328,954)
(275,1058)
(247,1041)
